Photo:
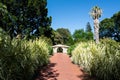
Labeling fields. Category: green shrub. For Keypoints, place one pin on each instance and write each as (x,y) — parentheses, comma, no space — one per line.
(70,49)
(100,60)
(20,58)
(50,50)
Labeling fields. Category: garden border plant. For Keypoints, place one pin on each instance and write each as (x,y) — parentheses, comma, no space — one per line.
(99,60)
(20,58)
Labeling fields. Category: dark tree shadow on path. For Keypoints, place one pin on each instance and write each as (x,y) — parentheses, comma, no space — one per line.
(47,73)
(86,76)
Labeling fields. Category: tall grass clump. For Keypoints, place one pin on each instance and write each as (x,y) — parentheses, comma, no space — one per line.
(99,60)
(70,49)
(20,58)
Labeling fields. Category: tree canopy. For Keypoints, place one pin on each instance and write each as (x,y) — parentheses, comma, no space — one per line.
(88,27)
(57,38)
(62,36)
(106,27)
(65,33)
(110,27)
(81,35)
(26,18)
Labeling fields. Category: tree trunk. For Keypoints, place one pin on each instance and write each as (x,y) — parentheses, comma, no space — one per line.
(96,30)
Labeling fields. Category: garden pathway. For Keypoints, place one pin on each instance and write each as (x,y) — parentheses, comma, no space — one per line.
(61,68)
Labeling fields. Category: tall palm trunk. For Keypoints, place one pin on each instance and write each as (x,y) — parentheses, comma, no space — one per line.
(96,30)
(96,14)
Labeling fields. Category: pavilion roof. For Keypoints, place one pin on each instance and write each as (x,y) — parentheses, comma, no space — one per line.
(60,45)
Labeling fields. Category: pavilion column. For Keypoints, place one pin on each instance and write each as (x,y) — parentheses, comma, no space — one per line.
(64,50)
(55,50)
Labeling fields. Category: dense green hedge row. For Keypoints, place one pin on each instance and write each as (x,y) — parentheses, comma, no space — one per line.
(100,60)
(20,58)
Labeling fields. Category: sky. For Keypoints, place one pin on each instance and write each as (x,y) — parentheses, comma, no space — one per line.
(74,14)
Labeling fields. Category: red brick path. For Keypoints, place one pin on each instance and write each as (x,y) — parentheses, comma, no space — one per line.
(61,68)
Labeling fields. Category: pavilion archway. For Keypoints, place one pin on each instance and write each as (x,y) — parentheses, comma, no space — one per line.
(61,48)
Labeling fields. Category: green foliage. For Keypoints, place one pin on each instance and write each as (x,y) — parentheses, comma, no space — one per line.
(65,35)
(100,60)
(116,18)
(110,27)
(81,35)
(3,10)
(88,27)
(57,38)
(70,49)
(70,41)
(50,50)
(78,35)
(20,58)
(106,28)
(26,18)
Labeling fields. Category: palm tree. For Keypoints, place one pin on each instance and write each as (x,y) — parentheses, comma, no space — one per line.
(96,13)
